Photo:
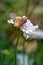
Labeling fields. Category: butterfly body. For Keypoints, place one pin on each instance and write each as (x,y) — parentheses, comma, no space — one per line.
(19,21)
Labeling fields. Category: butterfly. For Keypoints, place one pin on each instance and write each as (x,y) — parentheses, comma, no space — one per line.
(18,21)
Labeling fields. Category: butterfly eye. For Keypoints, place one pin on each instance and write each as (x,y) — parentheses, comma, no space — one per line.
(13,16)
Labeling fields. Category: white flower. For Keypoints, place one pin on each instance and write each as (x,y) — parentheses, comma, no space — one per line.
(28,28)
(10,21)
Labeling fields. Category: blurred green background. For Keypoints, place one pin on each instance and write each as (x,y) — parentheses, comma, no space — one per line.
(33,9)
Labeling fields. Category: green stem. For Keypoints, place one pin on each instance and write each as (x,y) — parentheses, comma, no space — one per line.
(16,51)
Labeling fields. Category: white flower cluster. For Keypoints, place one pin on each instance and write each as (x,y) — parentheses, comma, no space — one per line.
(28,28)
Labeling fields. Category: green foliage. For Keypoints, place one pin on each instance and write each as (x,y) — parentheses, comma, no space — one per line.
(21,7)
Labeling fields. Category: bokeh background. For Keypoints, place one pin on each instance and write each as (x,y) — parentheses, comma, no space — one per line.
(10,36)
